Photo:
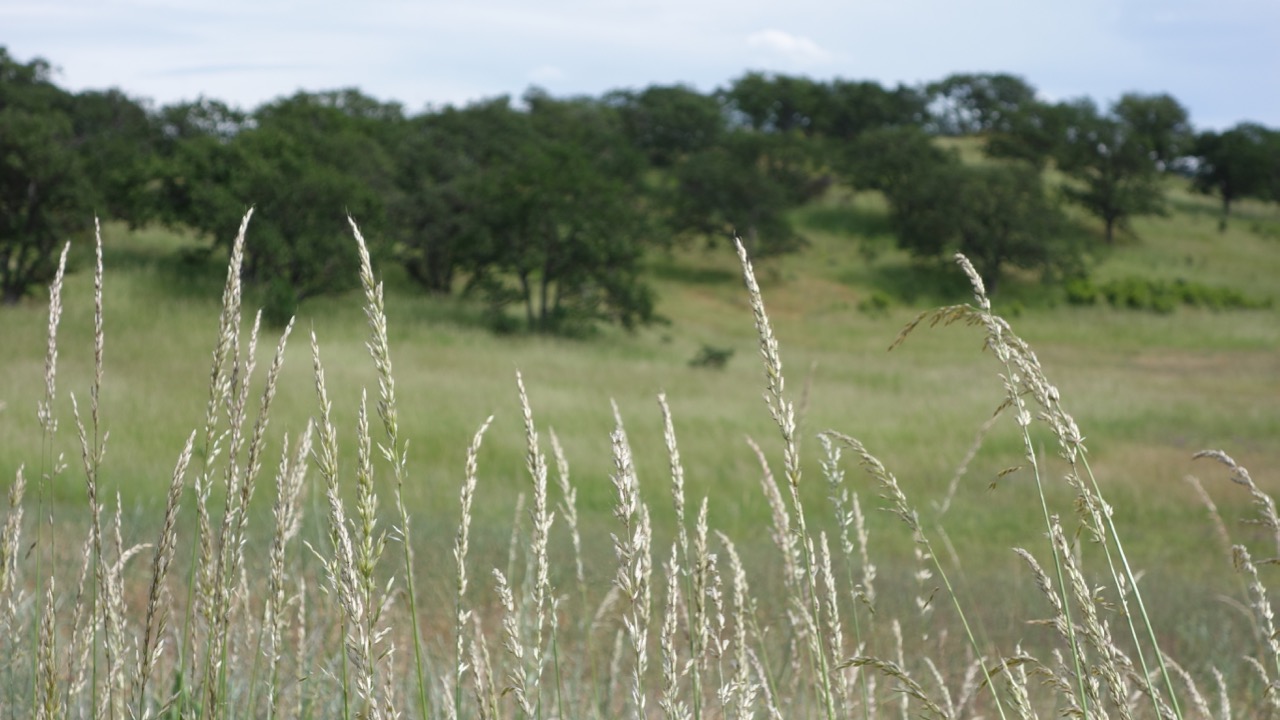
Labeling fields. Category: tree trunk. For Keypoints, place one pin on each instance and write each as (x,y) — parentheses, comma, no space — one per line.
(528,299)
(439,269)
(1111,227)
(543,309)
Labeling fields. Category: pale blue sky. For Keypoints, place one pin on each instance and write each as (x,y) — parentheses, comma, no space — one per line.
(1221,58)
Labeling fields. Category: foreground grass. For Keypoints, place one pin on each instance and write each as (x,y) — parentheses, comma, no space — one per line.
(667,619)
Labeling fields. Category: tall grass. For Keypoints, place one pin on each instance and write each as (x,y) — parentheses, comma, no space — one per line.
(329,628)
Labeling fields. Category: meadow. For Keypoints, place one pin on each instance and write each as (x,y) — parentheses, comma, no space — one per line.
(1147,391)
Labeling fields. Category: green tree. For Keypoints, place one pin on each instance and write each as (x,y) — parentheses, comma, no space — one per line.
(775,103)
(888,159)
(1035,133)
(198,165)
(572,220)
(446,162)
(1115,174)
(304,162)
(554,218)
(669,122)
(848,109)
(118,142)
(838,110)
(204,118)
(1238,163)
(1158,123)
(45,193)
(968,103)
(998,215)
(743,186)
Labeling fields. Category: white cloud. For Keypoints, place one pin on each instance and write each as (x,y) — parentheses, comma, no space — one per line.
(784,46)
(546,74)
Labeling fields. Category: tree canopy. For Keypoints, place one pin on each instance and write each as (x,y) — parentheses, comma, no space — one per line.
(1115,170)
(550,205)
(999,215)
(1241,162)
(744,186)
(539,207)
(304,162)
(46,193)
(668,123)
(1159,124)
(967,103)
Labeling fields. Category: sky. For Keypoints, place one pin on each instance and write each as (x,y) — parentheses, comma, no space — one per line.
(1220,58)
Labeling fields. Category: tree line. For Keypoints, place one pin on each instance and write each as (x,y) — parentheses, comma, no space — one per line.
(545,207)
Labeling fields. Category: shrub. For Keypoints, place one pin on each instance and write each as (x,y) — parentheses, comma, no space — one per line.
(715,358)
(1080,291)
(877,303)
(1138,293)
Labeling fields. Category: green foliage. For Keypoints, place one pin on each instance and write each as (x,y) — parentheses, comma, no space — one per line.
(743,186)
(440,214)
(1080,290)
(1137,293)
(712,357)
(303,162)
(775,103)
(1001,215)
(118,141)
(1238,163)
(1158,123)
(200,166)
(998,215)
(279,302)
(548,206)
(203,119)
(45,193)
(1115,161)
(1161,296)
(967,103)
(851,108)
(554,219)
(839,110)
(1035,133)
(876,303)
(1115,173)
(669,122)
(891,159)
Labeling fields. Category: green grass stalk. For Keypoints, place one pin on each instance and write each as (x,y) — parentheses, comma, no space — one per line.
(900,507)
(394,451)
(783,412)
(462,614)
(50,467)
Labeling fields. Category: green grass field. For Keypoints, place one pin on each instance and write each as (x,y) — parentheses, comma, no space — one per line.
(1147,389)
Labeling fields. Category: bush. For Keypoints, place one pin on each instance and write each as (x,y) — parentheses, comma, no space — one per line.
(1138,293)
(1080,291)
(877,303)
(715,358)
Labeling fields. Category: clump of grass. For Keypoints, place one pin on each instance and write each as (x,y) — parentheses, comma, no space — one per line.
(259,639)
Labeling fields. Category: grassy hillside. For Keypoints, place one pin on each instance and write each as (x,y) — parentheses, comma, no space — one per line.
(1147,389)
